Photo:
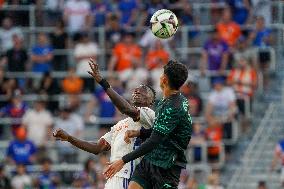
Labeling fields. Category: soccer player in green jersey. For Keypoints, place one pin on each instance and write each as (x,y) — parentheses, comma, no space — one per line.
(163,151)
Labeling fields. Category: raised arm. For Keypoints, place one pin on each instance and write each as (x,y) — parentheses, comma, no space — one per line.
(91,147)
(122,104)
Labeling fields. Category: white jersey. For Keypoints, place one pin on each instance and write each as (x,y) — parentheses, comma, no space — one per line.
(119,147)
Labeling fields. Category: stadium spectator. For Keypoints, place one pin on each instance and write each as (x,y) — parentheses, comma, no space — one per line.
(261,185)
(100,10)
(47,178)
(53,12)
(42,55)
(73,124)
(191,92)
(16,58)
(128,11)
(59,41)
(156,55)
(15,109)
(83,51)
(198,141)
(221,108)
(77,15)
(263,8)
(214,136)
(21,179)
(148,40)
(7,31)
(243,79)
(279,157)
(5,181)
(72,84)
(38,123)
(244,50)
(214,181)
(101,100)
(88,177)
(228,30)
(49,86)
(113,31)
(125,55)
(20,16)
(261,35)
(215,55)
(241,10)
(21,150)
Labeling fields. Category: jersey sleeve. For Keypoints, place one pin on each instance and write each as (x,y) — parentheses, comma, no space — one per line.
(147,117)
(108,136)
(166,122)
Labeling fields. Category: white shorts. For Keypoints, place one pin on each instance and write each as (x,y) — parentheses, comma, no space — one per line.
(117,183)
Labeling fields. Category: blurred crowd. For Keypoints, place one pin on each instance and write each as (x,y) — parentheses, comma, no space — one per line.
(232,58)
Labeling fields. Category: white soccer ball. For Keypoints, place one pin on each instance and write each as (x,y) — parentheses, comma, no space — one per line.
(164,24)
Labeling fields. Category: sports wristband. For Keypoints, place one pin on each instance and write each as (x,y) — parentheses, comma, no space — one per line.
(105,85)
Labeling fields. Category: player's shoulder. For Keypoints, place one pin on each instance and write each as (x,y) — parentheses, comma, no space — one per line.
(177,101)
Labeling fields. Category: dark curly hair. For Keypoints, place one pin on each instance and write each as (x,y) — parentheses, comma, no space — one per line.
(177,74)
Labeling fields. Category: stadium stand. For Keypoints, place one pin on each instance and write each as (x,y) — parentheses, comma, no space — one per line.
(44,46)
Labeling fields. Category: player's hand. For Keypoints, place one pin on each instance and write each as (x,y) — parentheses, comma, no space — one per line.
(130,134)
(113,168)
(60,134)
(95,72)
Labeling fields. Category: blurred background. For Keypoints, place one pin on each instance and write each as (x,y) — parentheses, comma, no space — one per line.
(233,48)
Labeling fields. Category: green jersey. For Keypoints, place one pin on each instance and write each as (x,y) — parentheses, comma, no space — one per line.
(173,121)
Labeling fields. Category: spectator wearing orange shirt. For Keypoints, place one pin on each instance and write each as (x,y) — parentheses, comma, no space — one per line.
(72,84)
(156,56)
(125,54)
(243,79)
(228,30)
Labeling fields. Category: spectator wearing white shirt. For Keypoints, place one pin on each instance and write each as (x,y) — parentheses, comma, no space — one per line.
(77,14)
(38,122)
(6,34)
(22,179)
(73,124)
(84,50)
(221,107)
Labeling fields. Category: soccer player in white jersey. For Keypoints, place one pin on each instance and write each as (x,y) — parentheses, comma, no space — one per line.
(142,98)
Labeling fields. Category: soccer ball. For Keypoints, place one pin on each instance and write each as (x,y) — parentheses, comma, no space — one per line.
(164,23)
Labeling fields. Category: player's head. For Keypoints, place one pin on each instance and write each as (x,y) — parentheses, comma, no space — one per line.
(143,96)
(174,76)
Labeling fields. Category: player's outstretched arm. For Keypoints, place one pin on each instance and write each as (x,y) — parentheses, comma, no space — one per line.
(122,104)
(91,147)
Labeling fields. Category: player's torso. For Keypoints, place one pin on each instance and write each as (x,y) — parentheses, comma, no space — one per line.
(119,147)
(177,141)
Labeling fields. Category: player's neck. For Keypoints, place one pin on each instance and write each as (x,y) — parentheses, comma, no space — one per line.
(169,92)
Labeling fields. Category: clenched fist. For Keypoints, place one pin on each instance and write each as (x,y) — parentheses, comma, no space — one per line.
(60,134)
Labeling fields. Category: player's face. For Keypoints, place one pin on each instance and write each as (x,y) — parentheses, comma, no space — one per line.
(140,96)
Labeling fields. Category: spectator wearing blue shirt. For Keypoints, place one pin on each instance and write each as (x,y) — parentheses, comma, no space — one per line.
(241,10)
(47,179)
(42,55)
(261,35)
(21,150)
(100,10)
(128,11)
